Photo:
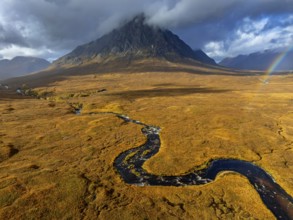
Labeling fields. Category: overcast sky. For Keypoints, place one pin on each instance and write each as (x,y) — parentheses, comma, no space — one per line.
(221,28)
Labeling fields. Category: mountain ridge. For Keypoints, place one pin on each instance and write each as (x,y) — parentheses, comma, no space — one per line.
(260,61)
(134,40)
(21,65)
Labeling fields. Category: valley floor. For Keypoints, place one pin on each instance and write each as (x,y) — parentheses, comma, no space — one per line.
(55,164)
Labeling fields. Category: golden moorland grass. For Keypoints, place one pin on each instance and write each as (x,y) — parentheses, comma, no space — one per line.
(54,164)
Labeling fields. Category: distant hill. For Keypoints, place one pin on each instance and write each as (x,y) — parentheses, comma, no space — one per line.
(134,40)
(259,61)
(20,66)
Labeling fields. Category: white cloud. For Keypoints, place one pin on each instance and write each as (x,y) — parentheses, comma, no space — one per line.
(186,12)
(54,26)
(14,50)
(250,25)
(251,36)
(215,49)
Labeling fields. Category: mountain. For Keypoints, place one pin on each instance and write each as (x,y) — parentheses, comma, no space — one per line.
(201,56)
(260,61)
(134,40)
(20,65)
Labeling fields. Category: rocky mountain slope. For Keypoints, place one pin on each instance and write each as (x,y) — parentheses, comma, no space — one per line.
(259,61)
(20,65)
(134,40)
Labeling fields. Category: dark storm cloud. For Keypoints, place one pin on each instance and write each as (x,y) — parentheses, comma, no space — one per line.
(9,36)
(65,23)
(49,28)
(222,24)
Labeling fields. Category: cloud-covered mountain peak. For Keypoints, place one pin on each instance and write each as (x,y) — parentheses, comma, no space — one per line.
(134,40)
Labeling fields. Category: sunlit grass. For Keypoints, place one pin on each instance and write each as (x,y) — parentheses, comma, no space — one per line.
(64,164)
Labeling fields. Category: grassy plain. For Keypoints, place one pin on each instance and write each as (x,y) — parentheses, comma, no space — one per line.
(57,165)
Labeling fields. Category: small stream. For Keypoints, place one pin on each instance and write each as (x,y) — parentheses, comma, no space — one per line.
(129,165)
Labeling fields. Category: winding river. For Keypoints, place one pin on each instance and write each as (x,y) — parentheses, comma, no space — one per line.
(129,165)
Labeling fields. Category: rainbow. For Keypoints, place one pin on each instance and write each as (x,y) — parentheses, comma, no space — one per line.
(276,63)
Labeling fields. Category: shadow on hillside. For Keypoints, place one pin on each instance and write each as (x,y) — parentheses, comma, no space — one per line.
(8,95)
(163,92)
(208,71)
(48,77)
